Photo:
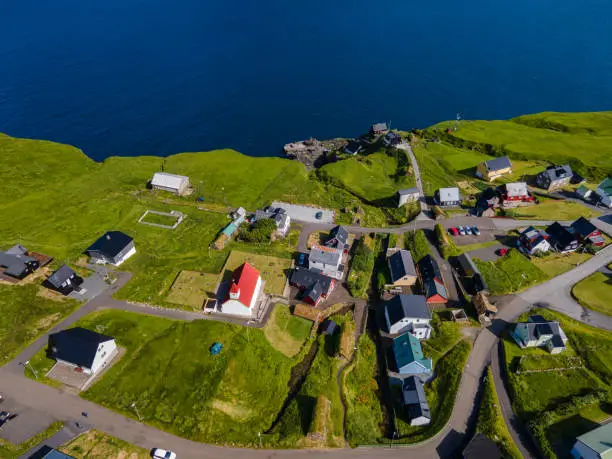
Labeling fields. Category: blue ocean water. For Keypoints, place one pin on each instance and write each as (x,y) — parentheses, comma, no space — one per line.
(155,77)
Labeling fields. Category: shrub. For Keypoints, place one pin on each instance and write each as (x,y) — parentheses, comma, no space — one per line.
(260,231)
(445,243)
(416,242)
(361,267)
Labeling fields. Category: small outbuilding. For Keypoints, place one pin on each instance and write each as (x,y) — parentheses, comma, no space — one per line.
(172,183)
(83,349)
(407,195)
(329,327)
(414,402)
(379,128)
(114,247)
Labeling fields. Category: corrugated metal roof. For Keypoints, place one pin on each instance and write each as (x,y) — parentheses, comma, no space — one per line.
(449,194)
(167,180)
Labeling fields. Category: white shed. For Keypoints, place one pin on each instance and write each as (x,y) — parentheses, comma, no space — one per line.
(170,182)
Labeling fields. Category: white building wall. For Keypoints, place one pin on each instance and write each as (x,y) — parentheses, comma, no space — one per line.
(256,293)
(420,421)
(126,256)
(235,308)
(104,353)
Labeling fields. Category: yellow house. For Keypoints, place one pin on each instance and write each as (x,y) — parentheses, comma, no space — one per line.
(494,168)
(402,269)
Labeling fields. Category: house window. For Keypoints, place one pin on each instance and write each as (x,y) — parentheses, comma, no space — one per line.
(103,354)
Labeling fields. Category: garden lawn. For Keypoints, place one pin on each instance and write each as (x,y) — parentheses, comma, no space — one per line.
(595,292)
(10,451)
(26,315)
(274,271)
(491,420)
(475,246)
(509,274)
(417,243)
(192,288)
(362,265)
(552,209)
(364,415)
(554,264)
(98,445)
(286,332)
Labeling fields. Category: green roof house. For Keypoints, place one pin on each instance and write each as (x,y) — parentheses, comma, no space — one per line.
(596,444)
(604,191)
(408,356)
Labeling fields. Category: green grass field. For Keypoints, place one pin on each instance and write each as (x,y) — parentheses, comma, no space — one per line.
(274,271)
(552,209)
(491,421)
(582,139)
(509,274)
(98,445)
(554,263)
(192,288)
(26,315)
(286,332)
(157,219)
(595,292)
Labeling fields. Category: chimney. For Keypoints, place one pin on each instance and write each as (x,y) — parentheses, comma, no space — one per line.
(108,237)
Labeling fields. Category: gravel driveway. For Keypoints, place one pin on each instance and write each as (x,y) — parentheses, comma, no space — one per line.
(305,213)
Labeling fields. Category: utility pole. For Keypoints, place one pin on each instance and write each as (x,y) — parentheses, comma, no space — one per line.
(28,364)
(260,443)
(137,413)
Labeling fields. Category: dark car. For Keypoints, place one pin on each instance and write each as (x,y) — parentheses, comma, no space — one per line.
(319,215)
(301,259)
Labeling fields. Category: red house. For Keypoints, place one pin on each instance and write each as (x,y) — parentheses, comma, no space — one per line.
(315,287)
(431,279)
(587,232)
(516,192)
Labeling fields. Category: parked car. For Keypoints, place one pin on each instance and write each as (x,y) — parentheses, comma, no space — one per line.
(319,215)
(158,453)
(462,230)
(454,231)
(475,230)
(468,230)
(301,259)
(501,252)
(5,416)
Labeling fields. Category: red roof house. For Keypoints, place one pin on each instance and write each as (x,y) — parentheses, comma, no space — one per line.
(244,291)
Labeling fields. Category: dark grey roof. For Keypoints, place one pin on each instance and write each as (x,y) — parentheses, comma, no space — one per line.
(408,191)
(434,287)
(303,277)
(413,396)
(16,265)
(353,147)
(560,234)
(111,244)
(17,249)
(481,447)
(402,306)
(429,269)
(339,234)
(379,127)
(466,262)
(329,327)
(496,164)
(583,227)
(76,345)
(328,257)
(60,276)
(279,215)
(401,264)
(558,172)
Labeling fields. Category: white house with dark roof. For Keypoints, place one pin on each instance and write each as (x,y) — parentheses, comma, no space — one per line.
(172,183)
(402,269)
(555,177)
(338,238)
(539,332)
(114,247)
(83,349)
(64,280)
(408,313)
(447,197)
(407,195)
(280,217)
(414,402)
(326,260)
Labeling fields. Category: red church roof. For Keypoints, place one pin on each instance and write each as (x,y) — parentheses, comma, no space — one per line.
(244,281)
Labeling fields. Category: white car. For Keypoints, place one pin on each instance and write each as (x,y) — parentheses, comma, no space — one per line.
(462,230)
(158,453)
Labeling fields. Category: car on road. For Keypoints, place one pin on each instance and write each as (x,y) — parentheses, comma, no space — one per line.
(462,230)
(319,215)
(159,453)
(454,231)
(5,416)
(475,230)
(468,230)
(501,252)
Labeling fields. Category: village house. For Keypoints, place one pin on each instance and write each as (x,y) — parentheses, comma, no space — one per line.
(431,279)
(487,202)
(353,147)
(315,287)
(512,193)
(85,350)
(244,291)
(16,262)
(414,402)
(64,280)
(482,447)
(447,197)
(226,234)
(326,260)
(407,358)
(407,195)
(604,192)
(338,238)
(471,271)
(494,168)
(533,240)
(539,332)
(402,269)
(408,313)
(114,247)
(172,183)
(561,239)
(485,310)
(586,232)
(280,217)
(391,139)
(595,444)
(379,128)
(555,177)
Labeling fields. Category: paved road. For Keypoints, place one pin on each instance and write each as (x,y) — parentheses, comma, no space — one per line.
(417,176)
(556,293)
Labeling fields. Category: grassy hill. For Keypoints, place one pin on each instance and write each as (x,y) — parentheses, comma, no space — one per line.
(581,139)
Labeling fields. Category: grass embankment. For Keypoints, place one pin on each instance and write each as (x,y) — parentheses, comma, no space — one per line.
(287,333)
(26,315)
(10,451)
(572,395)
(364,415)
(446,244)
(554,264)
(580,139)
(417,243)
(183,389)
(595,292)
(509,274)
(491,420)
(362,265)
(98,445)
(552,209)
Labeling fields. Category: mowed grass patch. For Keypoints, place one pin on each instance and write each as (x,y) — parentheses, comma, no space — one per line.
(98,445)
(554,263)
(511,273)
(273,270)
(553,209)
(595,292)
(364,415)
(178,386)
(286,332)
(192,288)
(158,219)
(25,315)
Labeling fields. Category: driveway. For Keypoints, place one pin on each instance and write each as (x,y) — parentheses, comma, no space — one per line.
(91,287)
(305,213)
(27,423)
(486,253)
